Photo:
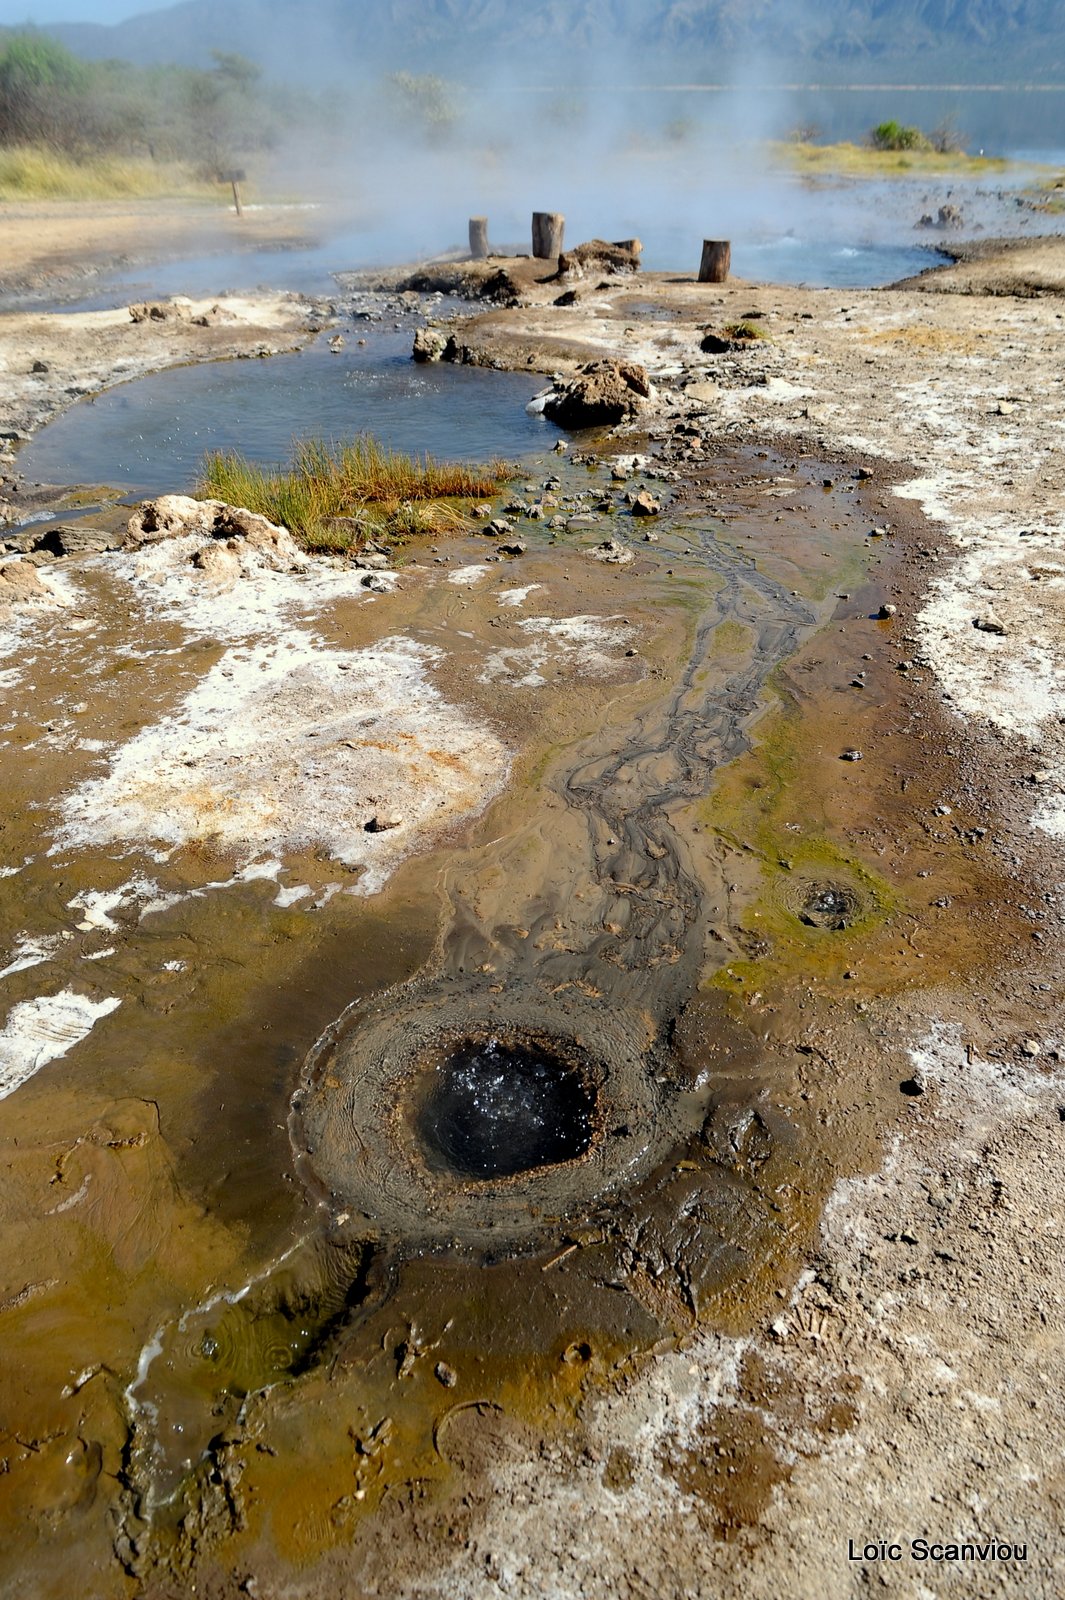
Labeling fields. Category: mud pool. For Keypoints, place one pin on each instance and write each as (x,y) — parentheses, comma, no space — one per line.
(256,1146)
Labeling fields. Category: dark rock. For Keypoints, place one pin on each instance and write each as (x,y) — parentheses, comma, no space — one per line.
(599,256)
(383,822)
(501,288)
(722,344)
(601,393)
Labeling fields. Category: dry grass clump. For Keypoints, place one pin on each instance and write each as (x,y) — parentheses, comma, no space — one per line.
(336,497)
(745,330)
(864,161)
(31,172)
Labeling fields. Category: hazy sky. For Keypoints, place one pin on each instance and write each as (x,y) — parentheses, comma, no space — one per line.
(15,12)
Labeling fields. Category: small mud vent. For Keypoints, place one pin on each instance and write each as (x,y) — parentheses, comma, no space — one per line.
(444,1115)
(829,905)
(497,1107)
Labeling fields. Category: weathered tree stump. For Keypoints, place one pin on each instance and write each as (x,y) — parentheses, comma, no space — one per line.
(717,259)
(547,231)
(479,238)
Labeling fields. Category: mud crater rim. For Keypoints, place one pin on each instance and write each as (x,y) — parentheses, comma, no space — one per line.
(358,1119)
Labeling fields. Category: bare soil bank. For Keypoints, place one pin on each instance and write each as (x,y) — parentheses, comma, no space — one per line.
(52,245)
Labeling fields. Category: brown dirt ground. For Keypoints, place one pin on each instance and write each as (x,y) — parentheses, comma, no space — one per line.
(911,1382)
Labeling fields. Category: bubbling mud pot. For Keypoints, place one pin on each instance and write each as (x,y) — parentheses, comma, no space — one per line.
(499,1107)
(448,1117)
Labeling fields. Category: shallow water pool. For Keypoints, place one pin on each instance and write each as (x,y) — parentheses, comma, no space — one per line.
(151,434)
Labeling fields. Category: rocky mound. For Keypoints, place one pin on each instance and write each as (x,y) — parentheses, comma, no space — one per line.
(602,393)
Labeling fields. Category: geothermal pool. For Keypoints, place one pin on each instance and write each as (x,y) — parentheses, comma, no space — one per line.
(150,435)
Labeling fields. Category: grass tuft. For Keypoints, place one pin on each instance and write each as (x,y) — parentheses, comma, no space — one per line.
(31,172)
(852,160)
(337,497)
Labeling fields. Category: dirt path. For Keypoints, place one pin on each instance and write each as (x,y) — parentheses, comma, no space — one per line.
(50,245)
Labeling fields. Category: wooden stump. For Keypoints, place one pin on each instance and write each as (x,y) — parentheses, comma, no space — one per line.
(479,238)
(717,258)
(547,230)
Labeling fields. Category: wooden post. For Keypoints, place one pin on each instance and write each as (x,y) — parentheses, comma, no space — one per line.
(479,238)
(717,259)
(547,231)
(236,177)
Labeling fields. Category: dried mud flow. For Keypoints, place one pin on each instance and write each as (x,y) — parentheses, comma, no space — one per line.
(715,854)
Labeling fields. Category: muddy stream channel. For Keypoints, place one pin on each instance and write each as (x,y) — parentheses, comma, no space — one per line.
(443,995)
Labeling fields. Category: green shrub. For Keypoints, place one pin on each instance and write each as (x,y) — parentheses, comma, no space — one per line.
(896,136)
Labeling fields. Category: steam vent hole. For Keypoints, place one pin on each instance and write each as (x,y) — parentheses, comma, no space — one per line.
(496,1109)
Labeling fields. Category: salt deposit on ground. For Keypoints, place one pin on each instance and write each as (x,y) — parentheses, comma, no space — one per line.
(38,1031)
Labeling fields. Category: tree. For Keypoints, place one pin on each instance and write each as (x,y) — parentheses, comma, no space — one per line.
(42,89)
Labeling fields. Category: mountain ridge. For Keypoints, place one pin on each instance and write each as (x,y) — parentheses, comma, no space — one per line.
(1001,39)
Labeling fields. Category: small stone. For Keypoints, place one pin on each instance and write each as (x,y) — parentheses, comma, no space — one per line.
(851,755)
(382,822)
(611,550)
(989,623)
(779,1329)
(887,611)
(942,811)
(1031,1047)
(446,1375)
(645,505)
